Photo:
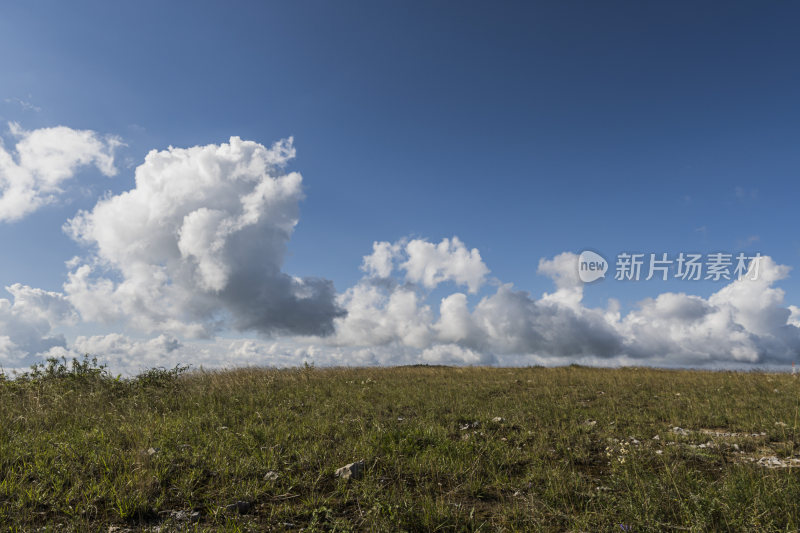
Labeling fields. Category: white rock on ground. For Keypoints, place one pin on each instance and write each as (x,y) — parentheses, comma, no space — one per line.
(352,471)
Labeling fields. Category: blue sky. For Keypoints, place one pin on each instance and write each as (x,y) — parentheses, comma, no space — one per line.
(524,129)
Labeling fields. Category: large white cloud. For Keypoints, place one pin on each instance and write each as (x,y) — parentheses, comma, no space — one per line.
(744,322)
(428,264)
(197,246)
(378,314)
(42,160)
(130,356)
(27,323)
(196,250)
(386,312)
(794,317)
(382,310)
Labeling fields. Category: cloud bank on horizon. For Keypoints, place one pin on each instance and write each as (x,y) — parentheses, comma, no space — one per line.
(182,267)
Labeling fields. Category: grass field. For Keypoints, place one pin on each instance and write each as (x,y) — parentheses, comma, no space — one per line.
(548,449)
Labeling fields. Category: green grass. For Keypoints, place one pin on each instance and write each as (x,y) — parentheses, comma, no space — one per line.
(82,451)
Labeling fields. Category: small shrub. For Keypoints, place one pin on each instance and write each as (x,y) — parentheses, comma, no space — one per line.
(61,368)
(160,377)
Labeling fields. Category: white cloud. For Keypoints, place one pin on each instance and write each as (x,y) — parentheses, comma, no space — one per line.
(380,263)
(744,322)
(390,322)
(377,316)
(131,356)
(42,160)
(456,323)
(431,264)
(384,313)
(32,303)
(428,264)
(453,354)
(26,324)
(794,317)
(563,270)
(26,105)
(196,250)
(197,247)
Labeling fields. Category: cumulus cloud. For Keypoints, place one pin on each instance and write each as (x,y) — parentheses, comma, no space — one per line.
(794,317)
(383,311)
(27,322)
(391,322)
(380,262)
(198,245)
(453,354)
(31,175)
(130,356)
(744,322)
(196,250)
(563,270)
(508,321)
(428,264)
(431,264)
(380,315)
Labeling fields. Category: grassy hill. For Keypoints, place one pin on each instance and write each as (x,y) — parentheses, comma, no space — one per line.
(556,449)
